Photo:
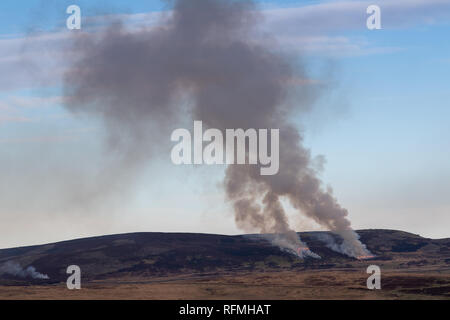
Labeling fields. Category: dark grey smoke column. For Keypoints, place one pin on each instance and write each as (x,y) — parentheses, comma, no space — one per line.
(205,55)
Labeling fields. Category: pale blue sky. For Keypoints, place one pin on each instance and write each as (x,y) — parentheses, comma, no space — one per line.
(383,128)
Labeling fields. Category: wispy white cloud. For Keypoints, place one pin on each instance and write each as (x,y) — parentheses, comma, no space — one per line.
(323,28)
(34,102)
(335,46)
(339,16)
(41,59)
(6,118)
(13,108)
(33,61)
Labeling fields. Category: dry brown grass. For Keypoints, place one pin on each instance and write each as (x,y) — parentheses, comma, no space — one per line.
(335,284)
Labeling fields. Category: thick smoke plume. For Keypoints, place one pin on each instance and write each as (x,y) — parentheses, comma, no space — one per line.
(206,59)
(14,269)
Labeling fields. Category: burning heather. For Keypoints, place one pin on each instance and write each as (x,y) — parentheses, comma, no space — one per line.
(206,60)
(365,257)
(305,252)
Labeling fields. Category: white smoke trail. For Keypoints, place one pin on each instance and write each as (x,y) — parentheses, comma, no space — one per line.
(344,246)
(14,269)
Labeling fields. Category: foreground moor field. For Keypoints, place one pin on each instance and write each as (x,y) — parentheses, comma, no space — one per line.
(203,266)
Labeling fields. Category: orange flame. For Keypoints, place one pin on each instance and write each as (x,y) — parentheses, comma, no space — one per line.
(301,249)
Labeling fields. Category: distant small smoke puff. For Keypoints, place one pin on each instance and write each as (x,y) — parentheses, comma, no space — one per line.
(204,59)
(14,269)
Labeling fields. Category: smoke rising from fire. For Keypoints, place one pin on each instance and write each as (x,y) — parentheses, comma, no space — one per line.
(207,60)
(14,269)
